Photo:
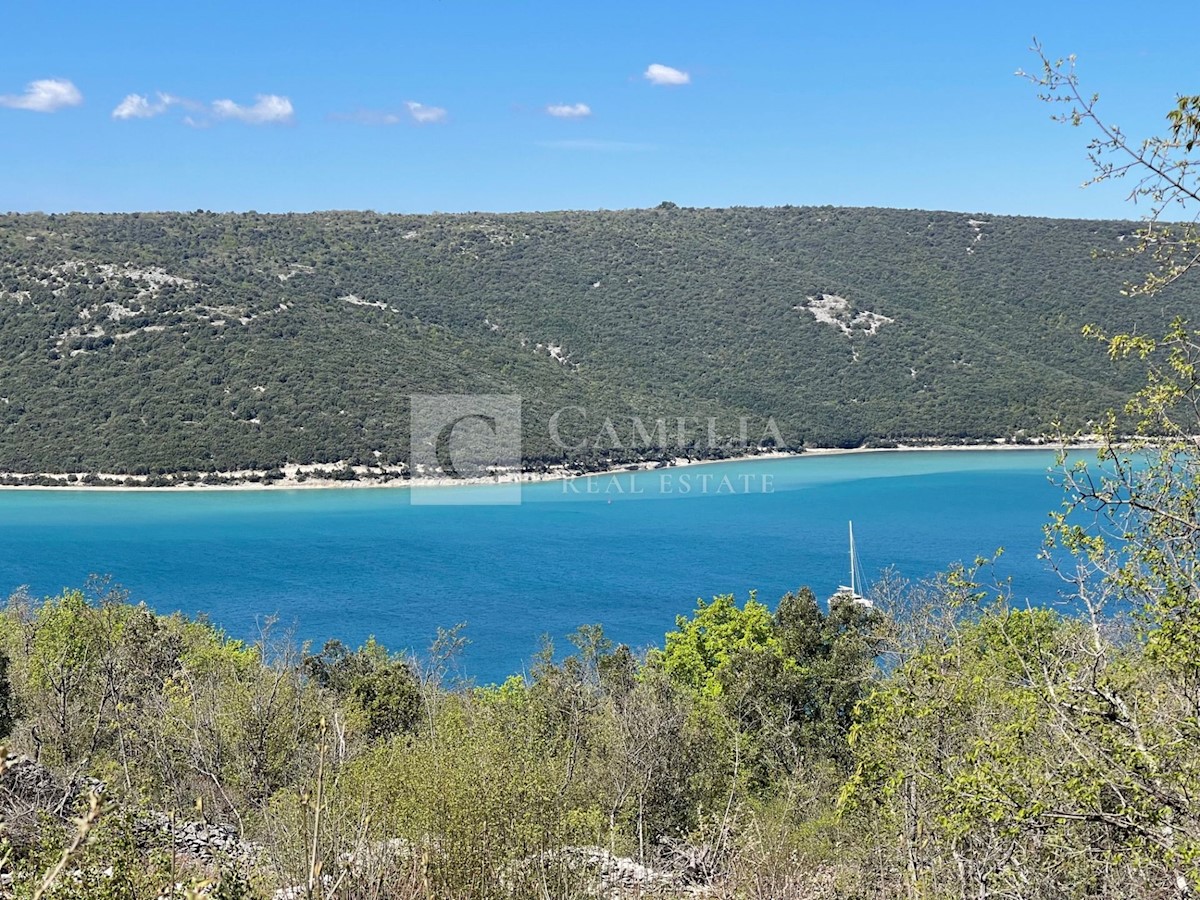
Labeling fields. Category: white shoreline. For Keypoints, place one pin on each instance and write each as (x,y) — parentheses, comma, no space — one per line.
(290,482)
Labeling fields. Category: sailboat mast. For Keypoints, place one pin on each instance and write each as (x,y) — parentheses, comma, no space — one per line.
(853,584)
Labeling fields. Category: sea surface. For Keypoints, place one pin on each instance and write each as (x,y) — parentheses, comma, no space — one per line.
(630,551)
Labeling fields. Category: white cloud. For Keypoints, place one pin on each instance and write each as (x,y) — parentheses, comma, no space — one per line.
(46,95)
(659,74)
(268,109)
(137,106)
(569,110)
(425,115)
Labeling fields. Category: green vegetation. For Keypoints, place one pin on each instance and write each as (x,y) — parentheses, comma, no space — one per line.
(193,343)
(316,755)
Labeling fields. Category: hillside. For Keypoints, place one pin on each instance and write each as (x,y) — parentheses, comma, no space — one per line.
(173,342)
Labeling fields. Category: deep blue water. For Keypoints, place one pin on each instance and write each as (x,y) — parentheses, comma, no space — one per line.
(349,563)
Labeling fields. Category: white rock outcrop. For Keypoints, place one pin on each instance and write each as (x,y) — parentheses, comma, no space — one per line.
(831,309)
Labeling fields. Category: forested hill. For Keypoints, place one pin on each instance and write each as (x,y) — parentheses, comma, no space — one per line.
(201,341)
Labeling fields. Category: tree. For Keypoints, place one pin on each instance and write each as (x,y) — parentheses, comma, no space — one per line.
(700,651)
(383,686)
(797,692)
(1143,551)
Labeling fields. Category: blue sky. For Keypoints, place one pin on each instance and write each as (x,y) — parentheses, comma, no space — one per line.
(416,107)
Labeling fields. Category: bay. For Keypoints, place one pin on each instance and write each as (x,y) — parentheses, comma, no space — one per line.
(630,551)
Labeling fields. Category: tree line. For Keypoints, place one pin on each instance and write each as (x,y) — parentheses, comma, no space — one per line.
(163,343)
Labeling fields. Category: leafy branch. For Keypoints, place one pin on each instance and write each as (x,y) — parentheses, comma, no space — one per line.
(1164,172)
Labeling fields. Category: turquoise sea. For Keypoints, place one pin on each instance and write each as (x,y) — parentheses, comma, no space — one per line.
(630,551)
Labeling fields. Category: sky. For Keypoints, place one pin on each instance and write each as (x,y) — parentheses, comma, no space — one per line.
(505,106)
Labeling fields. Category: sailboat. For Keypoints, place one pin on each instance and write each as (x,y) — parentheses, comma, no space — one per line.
(850,592)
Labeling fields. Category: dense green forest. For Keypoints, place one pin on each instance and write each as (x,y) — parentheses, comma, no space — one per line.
(163,343)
